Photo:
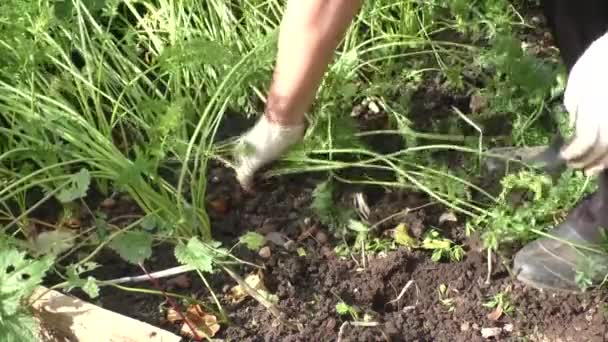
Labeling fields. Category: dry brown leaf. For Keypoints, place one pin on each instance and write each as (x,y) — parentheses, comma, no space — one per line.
(173,316)
(204,323)
(478,103)
(255,281)
(495,315)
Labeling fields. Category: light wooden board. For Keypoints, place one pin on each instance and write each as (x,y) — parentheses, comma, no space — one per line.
(66,318)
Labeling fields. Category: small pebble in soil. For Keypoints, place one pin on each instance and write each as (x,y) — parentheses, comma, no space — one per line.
(465,326)
(490,332)
(321,237)
(265,252)
(268,227)
(326,251)
(181,281)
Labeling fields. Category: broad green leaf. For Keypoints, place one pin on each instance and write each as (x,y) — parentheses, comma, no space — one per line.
(90,288)
(252,240)
(358,226)
(53,242)
(342,308)
(18,328)
(148,223)
(198,254)
(79,185)
(133,246)
(19,276)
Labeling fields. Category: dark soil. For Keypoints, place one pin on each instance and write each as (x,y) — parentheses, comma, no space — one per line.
(309,287)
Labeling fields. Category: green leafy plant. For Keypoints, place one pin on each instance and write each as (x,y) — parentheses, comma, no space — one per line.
(444,298)
(19,277)
(252,240)
(500,301)
(344,309)
(441,247)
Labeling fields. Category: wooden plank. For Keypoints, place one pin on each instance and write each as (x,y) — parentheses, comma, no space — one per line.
(66,318)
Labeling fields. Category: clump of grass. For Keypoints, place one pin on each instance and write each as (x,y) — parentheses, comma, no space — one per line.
(129,112)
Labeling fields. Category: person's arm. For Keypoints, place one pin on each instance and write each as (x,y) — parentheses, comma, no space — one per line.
(310,31)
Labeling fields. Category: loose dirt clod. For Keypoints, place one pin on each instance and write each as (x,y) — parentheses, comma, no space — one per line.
(182,281)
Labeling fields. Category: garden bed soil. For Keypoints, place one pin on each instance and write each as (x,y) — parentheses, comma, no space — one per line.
(309,286)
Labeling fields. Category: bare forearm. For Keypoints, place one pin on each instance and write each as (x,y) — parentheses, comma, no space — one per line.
(310,33)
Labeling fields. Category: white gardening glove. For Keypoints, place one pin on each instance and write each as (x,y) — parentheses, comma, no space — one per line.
(264,143)
(586,99)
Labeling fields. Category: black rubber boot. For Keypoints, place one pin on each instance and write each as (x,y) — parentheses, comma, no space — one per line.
(574,251)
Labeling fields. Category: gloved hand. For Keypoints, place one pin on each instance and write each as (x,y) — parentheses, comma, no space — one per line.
(262,144)
(586,99)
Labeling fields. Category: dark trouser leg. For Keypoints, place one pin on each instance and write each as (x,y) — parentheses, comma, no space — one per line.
(553,262)
(575,25)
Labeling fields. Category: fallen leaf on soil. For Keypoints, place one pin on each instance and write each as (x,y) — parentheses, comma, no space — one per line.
(255,281)
(219,206)
(508,327)
(204,323)
(54,241)
(495,315)
(402,236)
(448,216)
(490,332)
(181,281)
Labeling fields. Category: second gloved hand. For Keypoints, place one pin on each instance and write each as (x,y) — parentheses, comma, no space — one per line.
(585,99)
(264,143)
